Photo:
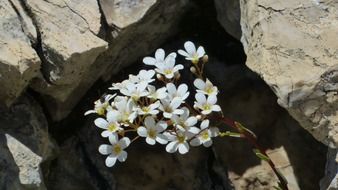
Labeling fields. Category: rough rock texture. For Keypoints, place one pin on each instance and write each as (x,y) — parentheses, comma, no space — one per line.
(19,62)
(291,45)
(229,15)
(25,145)
(125,46)
(147,168)
(69,45)
(245,98)
(330,181)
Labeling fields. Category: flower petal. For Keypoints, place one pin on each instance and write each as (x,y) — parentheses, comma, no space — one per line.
(183,148)
(106,133)
(89,112)
(159,54)
(195,142)
(214,131)
(110,161)
(204,124)
(199,83)
(172,147)
(100,122)
(207,143)
(149,122)
(194,130)
(191,121)
(171,88)
(112,116)
(190,47)
(149,61)
(200,98)
(162,139)
(216,108)
(150,141)
(183,53)
(212,99)
(122,156)
(113,138)
(124,142)
(105,149)
(142,131)
(200,51)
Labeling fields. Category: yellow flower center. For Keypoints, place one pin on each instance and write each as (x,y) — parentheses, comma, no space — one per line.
(152,133)
(180,138)
(209,90)
(195,58)
(146,109)
(102,109)
(112,127)
(206,107)
(117,149)
(205,135)
(168,71)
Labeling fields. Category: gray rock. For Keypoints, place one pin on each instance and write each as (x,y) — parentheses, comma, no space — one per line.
(229,16)
(330,180)
(69,43)
(145,34)
(25,145)
(19,62)
(290,45)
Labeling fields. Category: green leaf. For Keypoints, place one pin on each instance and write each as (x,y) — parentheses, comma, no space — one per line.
(260,155)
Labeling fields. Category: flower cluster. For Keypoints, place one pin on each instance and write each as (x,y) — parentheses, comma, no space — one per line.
(153,105)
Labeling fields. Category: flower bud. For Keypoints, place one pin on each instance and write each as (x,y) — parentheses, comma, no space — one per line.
(193,69)
(159,76)
(177,75)
(205,59)
(198,117)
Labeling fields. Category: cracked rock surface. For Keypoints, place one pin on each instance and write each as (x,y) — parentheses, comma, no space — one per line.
(291,45)
(19,62)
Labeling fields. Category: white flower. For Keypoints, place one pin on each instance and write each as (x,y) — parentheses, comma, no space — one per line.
(178,142)
(150,109)
(119,85)
(206,105)
(184,122)
(181,92)
(143,76)
(101,105)
(115,150)
(205,87)
(168,67)
(152,131)
(159,58)
(190,52)
(135,91)
(205,135)
(125,110)
(170,107)
(110,125)
(158,94)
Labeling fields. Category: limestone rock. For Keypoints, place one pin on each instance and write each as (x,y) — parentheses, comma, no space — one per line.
(291,45)
(140,38)
(244,97)
(25,145)
(69,43)
(19,62)
(229,15)
(330,181)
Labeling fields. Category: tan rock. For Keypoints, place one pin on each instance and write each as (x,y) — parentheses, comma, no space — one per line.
(290,44)
(19,62)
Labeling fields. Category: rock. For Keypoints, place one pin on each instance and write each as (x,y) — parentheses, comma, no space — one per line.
(150,167)
(69,43)
(244,97)
(229,16)
(330,180)
(125,47)
(19,62)
(290,45)
(25,145)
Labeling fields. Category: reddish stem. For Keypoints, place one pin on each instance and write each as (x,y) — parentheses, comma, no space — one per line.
(253,141)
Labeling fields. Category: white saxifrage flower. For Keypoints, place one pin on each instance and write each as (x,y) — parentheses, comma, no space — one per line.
(168,67)
(145,76)
(157,94)
(135,91)
(101,105)
(110,125)
(125,110)
(159,58)
(207,105)
(170,107)
(150,109)
(178,142)
(181,92)
(184,122)
(191,53)
(152,131)
(115,151)
(205,87)
(205,135)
